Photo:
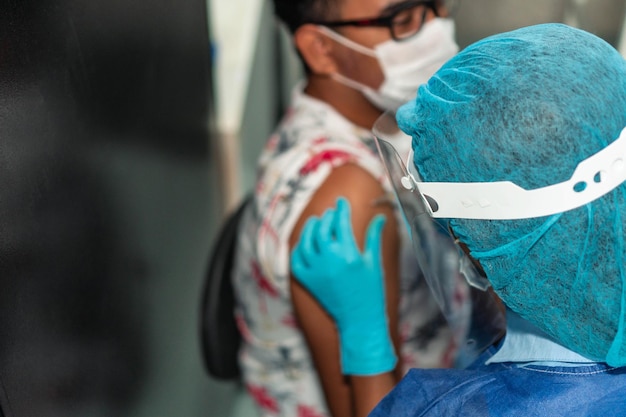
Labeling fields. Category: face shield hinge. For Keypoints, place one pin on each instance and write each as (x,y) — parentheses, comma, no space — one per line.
(408,182)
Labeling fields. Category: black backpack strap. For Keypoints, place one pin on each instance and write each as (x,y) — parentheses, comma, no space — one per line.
(220,337)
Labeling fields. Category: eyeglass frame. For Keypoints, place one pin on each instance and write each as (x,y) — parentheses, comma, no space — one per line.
(387,19)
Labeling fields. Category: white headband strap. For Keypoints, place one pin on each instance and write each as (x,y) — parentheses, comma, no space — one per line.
(594,177)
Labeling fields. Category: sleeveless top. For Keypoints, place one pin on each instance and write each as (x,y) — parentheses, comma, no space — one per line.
(277,367)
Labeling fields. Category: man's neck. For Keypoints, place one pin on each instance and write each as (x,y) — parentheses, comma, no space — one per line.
(349,102)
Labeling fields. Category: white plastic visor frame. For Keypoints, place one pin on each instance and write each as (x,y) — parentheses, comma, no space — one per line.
(503,200)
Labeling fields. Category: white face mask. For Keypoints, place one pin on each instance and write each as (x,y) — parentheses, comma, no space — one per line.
(405,64)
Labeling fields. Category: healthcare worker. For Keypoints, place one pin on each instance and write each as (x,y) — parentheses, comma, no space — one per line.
(361,57)
(520,150)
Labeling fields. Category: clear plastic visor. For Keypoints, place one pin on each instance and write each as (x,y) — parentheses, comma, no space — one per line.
(448,270)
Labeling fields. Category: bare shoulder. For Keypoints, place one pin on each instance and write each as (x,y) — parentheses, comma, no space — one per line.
(364,192)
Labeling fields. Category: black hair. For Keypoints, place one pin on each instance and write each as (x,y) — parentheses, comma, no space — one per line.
(295,13)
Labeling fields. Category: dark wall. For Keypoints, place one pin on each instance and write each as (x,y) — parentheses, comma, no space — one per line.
(78,78)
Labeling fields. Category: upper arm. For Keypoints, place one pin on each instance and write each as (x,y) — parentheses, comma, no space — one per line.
(365,194)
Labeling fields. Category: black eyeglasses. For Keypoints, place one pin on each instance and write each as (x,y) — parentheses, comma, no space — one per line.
(404,19)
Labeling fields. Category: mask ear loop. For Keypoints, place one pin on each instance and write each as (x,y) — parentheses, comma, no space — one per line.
(467,267)
(348,43)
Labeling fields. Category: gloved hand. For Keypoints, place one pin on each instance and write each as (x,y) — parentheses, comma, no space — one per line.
(349,285)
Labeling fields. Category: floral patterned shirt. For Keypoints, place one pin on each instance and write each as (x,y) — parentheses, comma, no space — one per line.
(277,367)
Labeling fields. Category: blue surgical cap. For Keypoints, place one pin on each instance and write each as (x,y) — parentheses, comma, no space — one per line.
(527,106)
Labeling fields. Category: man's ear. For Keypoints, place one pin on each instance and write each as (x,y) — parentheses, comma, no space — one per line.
(316,49)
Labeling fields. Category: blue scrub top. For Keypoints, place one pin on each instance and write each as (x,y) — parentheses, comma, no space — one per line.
(528,375)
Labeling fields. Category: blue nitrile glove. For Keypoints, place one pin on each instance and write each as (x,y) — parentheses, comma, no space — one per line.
(349,285)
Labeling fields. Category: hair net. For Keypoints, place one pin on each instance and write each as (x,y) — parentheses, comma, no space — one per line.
(527,106)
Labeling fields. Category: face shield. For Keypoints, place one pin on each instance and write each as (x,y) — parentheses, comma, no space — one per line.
(439,254)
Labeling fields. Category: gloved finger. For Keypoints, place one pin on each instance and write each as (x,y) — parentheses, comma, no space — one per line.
(373,238)
(324,234)
(343,225)
(306,244)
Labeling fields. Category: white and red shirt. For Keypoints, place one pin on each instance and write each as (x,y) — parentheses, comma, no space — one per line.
(278,370)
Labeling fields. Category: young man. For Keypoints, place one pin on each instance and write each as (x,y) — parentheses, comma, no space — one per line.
(361,58)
